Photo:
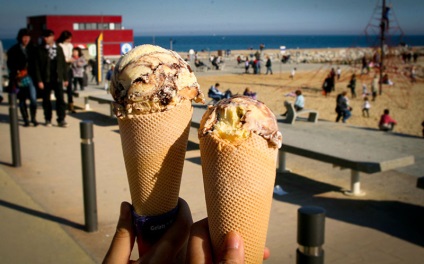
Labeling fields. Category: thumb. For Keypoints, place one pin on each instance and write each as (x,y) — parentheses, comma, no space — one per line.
(233,250)
(123,240)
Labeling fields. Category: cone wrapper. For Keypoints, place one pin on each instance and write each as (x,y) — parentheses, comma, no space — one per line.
(154,147)
(238,183)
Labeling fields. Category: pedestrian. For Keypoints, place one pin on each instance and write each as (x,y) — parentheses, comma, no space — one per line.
(333,77)
(366,107)
(65,41)
(338,73)
(327,86)
(94,70)
(413,74)
(352,85)
(292,73)
(374,87)
(51,76)
(268,65)
(78,68)
(343,109)
(258,66)
(246,65)
(109,76)
(21,65)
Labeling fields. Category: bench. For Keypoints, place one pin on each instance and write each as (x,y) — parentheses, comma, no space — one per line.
(103,99)
(292,114)
(356,157)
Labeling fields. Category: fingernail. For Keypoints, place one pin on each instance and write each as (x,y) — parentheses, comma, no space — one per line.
(123,213)
(233,240)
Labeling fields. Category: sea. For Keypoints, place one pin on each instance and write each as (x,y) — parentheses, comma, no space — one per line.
(245,42)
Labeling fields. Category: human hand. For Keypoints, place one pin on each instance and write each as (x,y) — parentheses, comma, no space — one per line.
(200,248)
(169,249)
(41,85)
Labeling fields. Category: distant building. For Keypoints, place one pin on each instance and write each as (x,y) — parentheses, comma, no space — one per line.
(85,30)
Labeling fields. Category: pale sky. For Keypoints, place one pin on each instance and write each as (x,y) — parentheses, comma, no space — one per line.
(225,17)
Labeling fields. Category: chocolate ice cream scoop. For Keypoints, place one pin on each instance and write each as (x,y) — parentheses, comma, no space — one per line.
(151,79)
(235,118)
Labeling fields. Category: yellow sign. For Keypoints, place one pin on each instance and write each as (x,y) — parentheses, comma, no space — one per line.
(99,44)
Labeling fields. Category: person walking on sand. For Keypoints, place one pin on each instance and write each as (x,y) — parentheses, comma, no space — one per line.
(366,107)
(343,109)
(413,74)
(338,73)
(292,73)
(352,85)
(387,123)
(21,65)
(327,86)
(246,65)
(374,87)
(268,65)
(333,77)
(52,76)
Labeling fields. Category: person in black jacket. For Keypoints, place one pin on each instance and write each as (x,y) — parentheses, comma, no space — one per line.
(51,72)
(21,65)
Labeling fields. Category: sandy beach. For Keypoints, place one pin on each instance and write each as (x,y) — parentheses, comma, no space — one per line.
(404,98)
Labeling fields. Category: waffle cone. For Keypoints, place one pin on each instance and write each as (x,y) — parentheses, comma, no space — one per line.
(238,183)
(154,147)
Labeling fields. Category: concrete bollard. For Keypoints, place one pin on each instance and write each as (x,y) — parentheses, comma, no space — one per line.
(88,175)
(14,131)
(310,235)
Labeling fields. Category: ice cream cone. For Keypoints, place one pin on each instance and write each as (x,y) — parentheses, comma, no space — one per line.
(153,89)
(154,149)
(238,179)
(238,185)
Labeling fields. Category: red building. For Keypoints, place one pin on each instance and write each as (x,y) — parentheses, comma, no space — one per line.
(85,30)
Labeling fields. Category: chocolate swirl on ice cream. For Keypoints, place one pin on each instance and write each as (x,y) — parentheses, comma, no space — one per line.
(235,118)
(151,79)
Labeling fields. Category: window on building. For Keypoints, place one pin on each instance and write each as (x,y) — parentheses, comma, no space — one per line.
(81,26)
(76,26)
(111,26)
(118,25)
(103,26)
(91,26)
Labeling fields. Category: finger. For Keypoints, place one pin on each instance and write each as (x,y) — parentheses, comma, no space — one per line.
(123,240)
(174,239)
(233,250)
(199,245)
(267,253)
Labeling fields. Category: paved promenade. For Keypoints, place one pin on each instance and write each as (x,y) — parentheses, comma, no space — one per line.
(41,203)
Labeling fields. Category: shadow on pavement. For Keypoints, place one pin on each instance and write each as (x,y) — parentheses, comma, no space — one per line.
(395,218)
(4,118)
(43,215)
(388,133)
(97,118)
(192,145)
(195,160)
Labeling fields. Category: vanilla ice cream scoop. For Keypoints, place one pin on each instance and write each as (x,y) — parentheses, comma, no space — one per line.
(234,119)
(151,79)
